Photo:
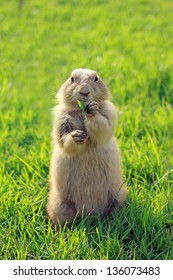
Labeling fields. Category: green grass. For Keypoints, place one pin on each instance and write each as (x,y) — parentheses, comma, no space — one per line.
(130,44)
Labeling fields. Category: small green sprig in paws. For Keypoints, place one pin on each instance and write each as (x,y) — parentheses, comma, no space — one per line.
(81,104)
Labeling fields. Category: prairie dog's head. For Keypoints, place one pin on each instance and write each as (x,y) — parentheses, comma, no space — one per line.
(83,84)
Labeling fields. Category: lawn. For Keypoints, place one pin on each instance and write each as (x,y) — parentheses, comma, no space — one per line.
(130,44)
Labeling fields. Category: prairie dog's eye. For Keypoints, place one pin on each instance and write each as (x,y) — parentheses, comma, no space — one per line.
(72,79)
(96,79)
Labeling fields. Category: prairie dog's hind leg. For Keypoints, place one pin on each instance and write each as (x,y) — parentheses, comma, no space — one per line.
(112,205)
(62,212)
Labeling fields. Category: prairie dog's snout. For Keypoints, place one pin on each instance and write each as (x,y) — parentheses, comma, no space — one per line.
(84,90)
(83,81)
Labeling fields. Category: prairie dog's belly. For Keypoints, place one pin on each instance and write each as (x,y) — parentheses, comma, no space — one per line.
(88,177)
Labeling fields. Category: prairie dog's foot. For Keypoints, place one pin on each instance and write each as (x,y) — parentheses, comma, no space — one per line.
(112,206)
(79,136)
(91,108)
(62,213)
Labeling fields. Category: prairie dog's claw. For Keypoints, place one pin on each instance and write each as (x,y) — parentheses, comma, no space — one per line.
(79,136)
(91,108)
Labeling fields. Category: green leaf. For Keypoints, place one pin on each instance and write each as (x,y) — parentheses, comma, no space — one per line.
(81,104)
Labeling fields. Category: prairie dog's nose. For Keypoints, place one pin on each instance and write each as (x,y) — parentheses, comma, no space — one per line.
(84,90)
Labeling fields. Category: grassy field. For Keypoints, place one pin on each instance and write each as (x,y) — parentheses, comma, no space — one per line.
(130,44)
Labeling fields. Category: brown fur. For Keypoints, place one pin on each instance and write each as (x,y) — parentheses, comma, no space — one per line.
(85,170)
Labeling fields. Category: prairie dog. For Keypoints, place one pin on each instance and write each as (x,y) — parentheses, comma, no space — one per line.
(85,171)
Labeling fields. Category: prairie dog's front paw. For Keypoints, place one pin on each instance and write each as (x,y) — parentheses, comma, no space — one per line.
(79,136)
(91,108)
